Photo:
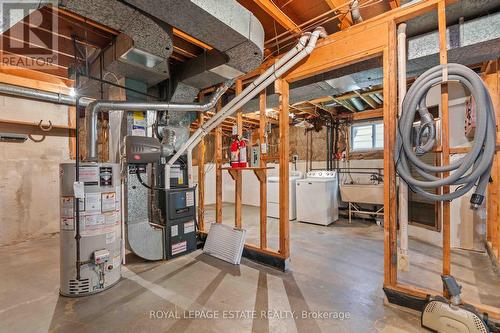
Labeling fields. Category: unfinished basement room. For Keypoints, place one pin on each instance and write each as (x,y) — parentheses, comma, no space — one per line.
(250,166)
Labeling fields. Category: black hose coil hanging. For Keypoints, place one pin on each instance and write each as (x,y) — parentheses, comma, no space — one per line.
(471,170)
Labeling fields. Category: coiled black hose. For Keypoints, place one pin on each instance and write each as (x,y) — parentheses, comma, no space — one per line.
(471,170)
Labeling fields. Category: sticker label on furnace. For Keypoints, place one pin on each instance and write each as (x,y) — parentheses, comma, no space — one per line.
(189,199)
(179,247)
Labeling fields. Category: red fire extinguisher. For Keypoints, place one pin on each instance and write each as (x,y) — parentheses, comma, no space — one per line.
(235,152)
(243,153)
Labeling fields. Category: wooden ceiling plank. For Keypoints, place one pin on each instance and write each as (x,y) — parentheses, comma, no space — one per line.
(183,52)
(368,100)
(321,107)
(345,20)
(8,58)
(345,104)
(191,39)
(70,23)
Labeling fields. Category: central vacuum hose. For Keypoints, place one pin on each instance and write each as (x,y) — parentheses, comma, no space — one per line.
(471,170)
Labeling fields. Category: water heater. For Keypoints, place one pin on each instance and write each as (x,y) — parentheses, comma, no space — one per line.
(100,228)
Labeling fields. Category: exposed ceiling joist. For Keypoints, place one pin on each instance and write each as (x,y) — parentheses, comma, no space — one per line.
(270,8)
(345,104)
(310,111)
(321,107)
(368,100)
(322,99)
(394,3)
(191,39)
(363,115)
(345,20)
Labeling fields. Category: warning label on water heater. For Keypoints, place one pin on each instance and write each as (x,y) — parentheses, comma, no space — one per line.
(67,223)
(89,175)
(67,207)
(108,202)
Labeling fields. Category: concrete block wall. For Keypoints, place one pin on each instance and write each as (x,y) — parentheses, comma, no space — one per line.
(29,173)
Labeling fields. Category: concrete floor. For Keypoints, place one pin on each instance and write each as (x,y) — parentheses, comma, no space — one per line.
(335,271)
(473,271)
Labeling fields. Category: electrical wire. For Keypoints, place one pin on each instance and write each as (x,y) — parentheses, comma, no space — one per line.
(139,178)
(310,26)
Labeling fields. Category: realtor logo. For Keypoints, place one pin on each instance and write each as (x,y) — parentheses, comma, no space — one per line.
(29,33)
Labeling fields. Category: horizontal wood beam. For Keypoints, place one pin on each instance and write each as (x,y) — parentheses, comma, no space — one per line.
(360,42)
(33,128)
(192,40)
(364,115)
(368,100)
(88,21)
(34,79)
(394,4)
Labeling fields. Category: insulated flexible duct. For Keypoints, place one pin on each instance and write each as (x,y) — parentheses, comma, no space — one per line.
(471,170)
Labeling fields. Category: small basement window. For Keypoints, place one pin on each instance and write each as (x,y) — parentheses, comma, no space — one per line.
(367,136)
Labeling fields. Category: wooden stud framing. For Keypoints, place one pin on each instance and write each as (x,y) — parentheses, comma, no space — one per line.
(390,198)
(368,44)
(346,20)
(72,124)
(445,154)
(282,89)
(272,10)
(238,190)
(366,37)
(218,171)
(262,164)
(491,78)
(201,174)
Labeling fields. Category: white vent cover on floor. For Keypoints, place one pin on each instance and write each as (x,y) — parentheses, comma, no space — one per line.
(225,242)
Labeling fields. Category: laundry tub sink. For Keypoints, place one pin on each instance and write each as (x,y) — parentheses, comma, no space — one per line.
(362,193)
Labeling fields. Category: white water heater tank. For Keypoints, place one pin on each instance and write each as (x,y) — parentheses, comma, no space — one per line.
(100,228)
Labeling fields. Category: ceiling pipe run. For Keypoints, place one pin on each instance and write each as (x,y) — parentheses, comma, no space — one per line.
(358,104)
(304,47)
(356,15)
(95,107)
(43,96)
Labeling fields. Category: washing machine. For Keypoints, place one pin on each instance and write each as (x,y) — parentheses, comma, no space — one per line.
(273,195)
(317,197)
